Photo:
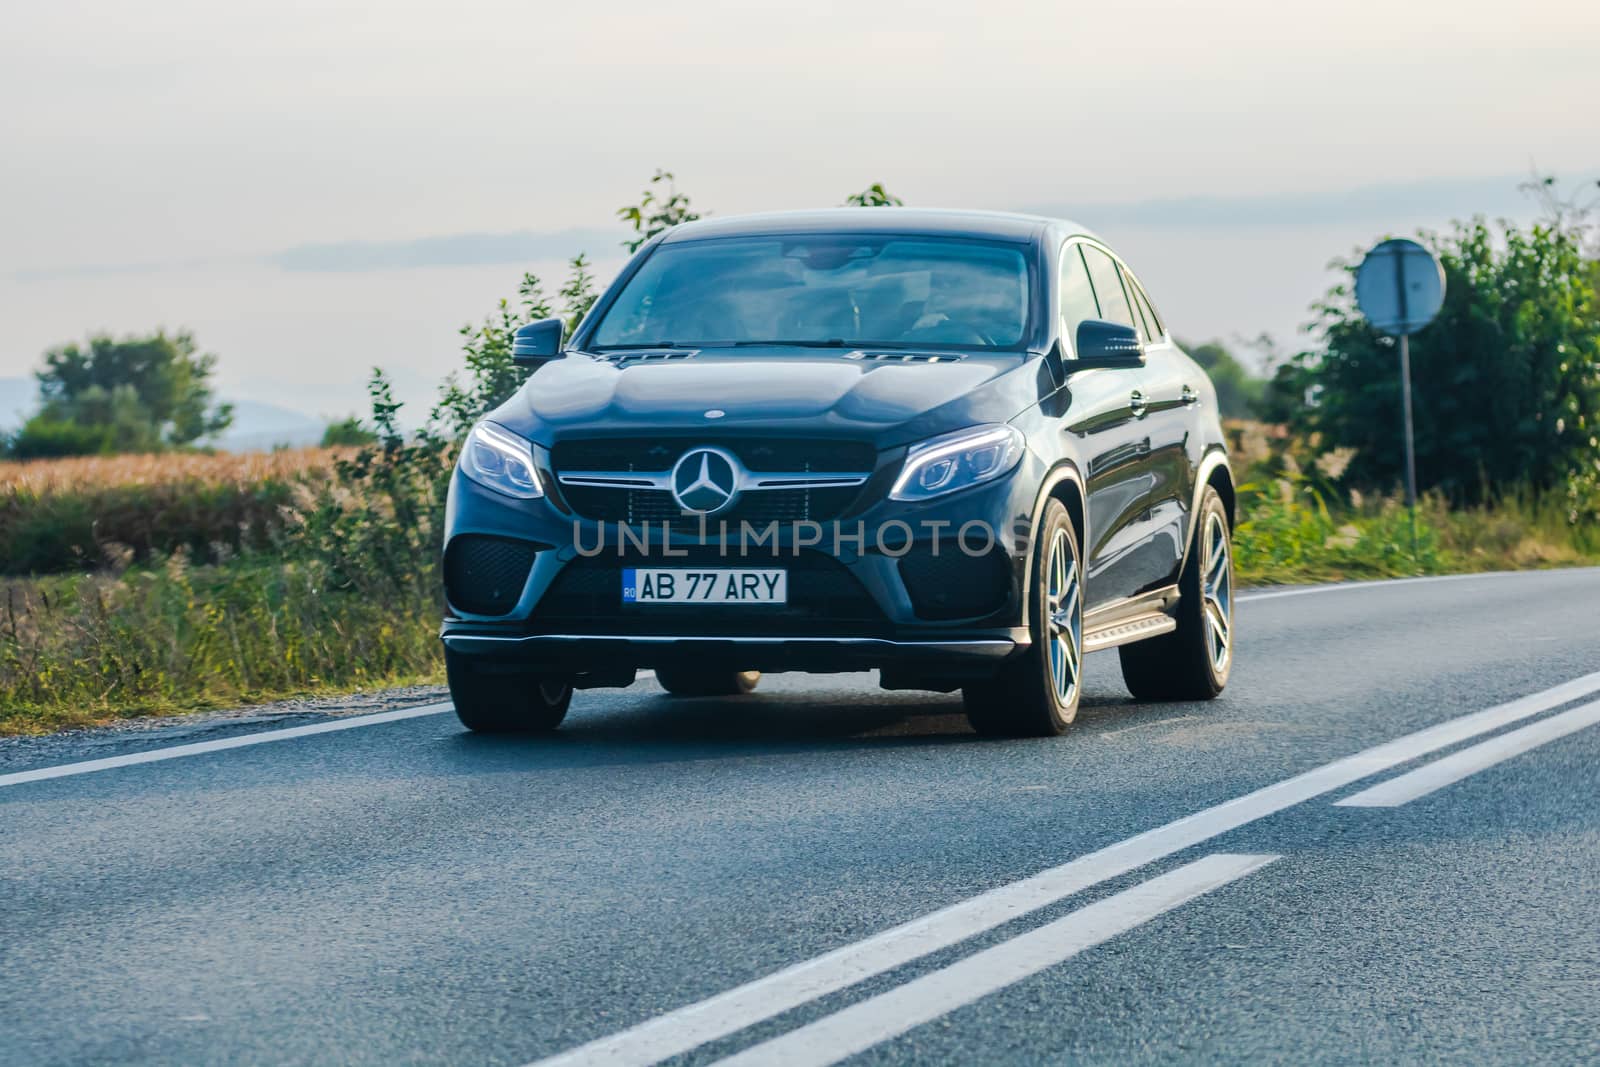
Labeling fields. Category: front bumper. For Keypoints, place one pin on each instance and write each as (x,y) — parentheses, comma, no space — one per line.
(568,616)
(603,653)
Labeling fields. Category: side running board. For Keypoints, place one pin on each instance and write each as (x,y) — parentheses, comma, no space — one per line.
(1134,629)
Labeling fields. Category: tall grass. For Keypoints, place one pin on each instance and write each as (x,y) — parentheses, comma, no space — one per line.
(82,648)
(1297,524)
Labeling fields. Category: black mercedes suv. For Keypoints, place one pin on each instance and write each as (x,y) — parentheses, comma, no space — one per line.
(957,447)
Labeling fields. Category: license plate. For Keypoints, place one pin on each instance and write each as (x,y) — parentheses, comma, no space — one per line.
(713,585)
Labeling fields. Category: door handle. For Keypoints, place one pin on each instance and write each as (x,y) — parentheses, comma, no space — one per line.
(1190,397)
(1137,405)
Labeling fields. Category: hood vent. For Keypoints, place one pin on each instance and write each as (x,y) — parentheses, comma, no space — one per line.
(905,357)
(652,355)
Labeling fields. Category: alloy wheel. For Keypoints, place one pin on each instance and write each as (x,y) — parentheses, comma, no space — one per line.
(1216,590)
(1064,616)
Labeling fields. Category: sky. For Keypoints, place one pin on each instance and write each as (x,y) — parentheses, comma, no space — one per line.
(315,187)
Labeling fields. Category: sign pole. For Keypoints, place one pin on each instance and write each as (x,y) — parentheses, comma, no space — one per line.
(1405,393)
(1411,448)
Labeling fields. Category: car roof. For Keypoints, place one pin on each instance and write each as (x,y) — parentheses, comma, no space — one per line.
(994,225)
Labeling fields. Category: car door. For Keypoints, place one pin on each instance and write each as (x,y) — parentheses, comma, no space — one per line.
(1105,417)
(1172,397)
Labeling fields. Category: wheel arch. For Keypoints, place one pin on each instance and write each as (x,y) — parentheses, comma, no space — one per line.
(1063,483)
(1220,478)
(1213,473)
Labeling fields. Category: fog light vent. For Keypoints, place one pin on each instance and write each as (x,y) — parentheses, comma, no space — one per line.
(954,585)
(485,575)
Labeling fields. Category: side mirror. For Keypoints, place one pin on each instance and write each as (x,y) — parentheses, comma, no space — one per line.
(537,342)
(1107,344)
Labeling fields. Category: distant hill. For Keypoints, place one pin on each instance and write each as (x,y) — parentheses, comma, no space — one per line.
(256,426)
(17,397)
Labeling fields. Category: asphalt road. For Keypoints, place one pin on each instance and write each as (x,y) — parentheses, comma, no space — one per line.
(826,871)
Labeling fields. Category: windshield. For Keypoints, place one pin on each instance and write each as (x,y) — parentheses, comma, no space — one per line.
(823,289)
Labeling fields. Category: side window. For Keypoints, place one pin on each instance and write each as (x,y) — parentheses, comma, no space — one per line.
(1108,287)
(1077,298)
(1146,332)
(1157,331)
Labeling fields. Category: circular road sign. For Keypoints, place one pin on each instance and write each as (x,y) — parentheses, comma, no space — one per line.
(1399,287)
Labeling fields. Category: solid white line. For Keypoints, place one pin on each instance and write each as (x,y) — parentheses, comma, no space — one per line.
(727,1013)
(1384,583)
(877,1019)
(156,755)
(1469,761)
(66,770)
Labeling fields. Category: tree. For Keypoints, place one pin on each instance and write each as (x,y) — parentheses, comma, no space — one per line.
(491,374)
(1239,393)
(346,432)
(874,195)
(660,208)
(579,292)
(136,394)
(1506,379)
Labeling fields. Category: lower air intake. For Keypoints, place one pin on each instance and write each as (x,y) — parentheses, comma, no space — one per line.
(485,575)
(954,585)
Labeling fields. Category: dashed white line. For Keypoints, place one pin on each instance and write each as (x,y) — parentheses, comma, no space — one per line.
(877,1019)
(1469,761)
(727,1013)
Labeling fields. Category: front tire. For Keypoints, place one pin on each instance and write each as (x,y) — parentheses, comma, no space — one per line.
(506,703)
(694,682)
(1194,661)
(1036,694)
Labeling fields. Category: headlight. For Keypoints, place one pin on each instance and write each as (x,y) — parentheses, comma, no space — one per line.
(957,461)
(498,459)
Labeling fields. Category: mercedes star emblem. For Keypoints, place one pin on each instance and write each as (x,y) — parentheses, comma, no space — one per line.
(705,481)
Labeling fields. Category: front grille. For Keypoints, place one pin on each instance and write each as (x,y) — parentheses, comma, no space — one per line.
(757,454)
(954,585)
(824,600)
(485,575)
(756,507)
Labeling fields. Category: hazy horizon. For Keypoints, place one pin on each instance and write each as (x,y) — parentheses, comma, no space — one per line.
(313,191)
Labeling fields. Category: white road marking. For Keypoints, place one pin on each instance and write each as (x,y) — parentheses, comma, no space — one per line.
(1469,761)
(1384,583)
(726,1013)
(877,1019)
(156,755)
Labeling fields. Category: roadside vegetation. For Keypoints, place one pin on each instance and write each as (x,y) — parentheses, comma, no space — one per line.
(175,579)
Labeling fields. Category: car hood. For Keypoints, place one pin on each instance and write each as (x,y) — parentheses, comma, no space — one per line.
(775,391)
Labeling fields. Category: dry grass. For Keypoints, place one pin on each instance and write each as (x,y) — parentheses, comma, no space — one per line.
(91,512)
(42,476)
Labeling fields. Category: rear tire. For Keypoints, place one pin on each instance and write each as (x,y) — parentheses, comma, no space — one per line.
(1192,662)
(506,703)
(1036,694)
(697,682)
